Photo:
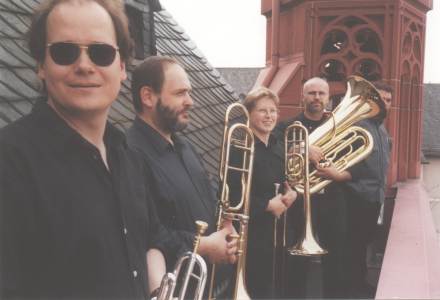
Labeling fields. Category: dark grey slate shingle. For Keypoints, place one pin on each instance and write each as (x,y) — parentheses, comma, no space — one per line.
(19,85)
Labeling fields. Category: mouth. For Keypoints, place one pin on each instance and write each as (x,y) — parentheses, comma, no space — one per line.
(185,111)
(84,85)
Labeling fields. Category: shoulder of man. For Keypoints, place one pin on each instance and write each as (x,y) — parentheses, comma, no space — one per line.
(19,132)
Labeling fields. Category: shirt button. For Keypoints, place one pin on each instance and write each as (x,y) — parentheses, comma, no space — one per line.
(125,231)
(135,274)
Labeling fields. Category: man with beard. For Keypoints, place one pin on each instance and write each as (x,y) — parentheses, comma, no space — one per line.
(315,99)
(181,188)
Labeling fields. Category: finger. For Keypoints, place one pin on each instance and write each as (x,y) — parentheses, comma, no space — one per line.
(228,228)
(226,223)
(232,259)
(231,251)
(231,244)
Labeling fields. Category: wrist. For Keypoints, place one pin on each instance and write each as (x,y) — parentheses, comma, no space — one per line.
(203,245)
(155,293)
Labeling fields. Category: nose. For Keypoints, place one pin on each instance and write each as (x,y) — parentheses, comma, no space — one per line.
(83,63)
(188,100)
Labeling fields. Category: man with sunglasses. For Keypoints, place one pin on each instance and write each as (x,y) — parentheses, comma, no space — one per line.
(75,214)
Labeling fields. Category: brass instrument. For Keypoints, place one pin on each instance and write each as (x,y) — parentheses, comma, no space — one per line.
(169,281)
(342,143)
(275,245)
(296,143)
(278,258)
(239,137)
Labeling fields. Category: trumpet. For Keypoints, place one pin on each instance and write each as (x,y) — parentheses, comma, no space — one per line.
(239,137)
(169,281)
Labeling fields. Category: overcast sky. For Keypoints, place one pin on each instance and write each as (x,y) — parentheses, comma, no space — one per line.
(232,33)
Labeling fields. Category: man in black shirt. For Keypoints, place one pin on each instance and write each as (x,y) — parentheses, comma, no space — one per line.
(315,100)
(182,190)
(363,192)
(75,213)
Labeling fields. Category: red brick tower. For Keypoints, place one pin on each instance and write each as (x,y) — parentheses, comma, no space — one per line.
(380,39)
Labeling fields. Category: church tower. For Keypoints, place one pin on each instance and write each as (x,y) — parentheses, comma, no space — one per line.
(378,39)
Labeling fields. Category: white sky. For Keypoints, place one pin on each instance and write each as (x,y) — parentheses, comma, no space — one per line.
(232,33)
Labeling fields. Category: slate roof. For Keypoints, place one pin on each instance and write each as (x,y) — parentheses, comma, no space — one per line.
(242,80)
(19,86)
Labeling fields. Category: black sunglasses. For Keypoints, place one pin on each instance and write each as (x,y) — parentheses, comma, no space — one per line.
(66,53)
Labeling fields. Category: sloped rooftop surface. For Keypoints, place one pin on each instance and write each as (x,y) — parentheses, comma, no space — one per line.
(19,86)
(242,80)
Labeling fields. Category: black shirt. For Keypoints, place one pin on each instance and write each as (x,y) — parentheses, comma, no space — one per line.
(311,125)
(181,191)
(268,169)
(70,228)
(369,176)
(181,187)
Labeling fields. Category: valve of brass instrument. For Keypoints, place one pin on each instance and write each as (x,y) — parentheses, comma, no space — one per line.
(201,228)
(324,163)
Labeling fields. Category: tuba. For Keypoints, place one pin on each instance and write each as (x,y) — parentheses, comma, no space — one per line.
(342,143)
(169,281)
(239,137)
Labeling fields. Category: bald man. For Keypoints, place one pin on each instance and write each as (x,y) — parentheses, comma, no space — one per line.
(315,98)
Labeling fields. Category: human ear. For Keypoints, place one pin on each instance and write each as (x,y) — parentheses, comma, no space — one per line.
(148,97)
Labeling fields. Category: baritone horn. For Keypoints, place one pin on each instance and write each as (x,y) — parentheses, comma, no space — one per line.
(192,260)
(240,139)
(343,144)
(296,143)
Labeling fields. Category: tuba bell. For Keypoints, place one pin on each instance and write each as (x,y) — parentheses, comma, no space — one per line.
(169,281)
(240,137)
(342,143)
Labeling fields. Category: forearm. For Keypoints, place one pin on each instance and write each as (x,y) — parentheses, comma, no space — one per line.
(205,246)
(156,268)
(344,176)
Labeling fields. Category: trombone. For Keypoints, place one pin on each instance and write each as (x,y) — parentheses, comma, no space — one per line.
(169,281)
(296,143)
(240,138)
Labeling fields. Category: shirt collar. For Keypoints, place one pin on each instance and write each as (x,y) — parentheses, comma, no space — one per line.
(65,136)
(156,140)
(272,141)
